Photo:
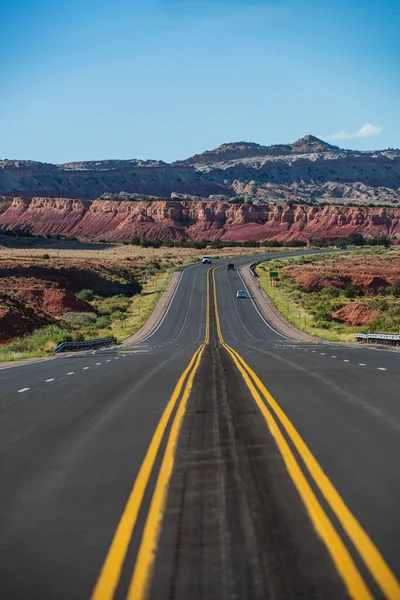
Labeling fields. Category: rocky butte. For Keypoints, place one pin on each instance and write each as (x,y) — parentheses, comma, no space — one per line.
(173,220)
(308,170)
(238,191)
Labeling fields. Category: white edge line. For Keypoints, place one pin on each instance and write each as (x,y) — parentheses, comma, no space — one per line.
(255,306)
(168,307)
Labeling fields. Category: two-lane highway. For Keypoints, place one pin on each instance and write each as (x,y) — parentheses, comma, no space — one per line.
(215,459)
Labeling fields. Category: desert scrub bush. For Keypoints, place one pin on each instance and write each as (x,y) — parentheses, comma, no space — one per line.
(38,343)
(331,292)
(118,316)
(103,322)
(85,295)
(394,289)
(106,306)
(77,320)
(351,291)
(380,304)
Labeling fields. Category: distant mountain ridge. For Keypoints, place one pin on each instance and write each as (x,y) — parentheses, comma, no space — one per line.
(309,170)
(236,150)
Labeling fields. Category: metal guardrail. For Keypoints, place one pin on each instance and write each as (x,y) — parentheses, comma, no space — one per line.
(86,345)
(386,338)
(253,268)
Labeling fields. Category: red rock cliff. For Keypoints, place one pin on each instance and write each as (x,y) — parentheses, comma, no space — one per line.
(121,220)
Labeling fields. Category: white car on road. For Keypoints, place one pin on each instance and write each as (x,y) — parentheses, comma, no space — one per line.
(206,260)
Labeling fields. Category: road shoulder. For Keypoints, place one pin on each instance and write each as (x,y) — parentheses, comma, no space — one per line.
(269,310)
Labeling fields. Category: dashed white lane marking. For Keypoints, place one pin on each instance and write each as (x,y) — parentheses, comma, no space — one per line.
(313,351)
(108,359)
(362,364)
(98,363)
(345,360)
(322,353)
(23,390)
(381,369)
(70,373)
(84,368)
(123,356)
(48,380)
(116,358)
(333,356)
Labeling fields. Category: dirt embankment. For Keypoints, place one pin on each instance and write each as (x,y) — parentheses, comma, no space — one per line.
(33,295)
(123,220)
(363,278)
(369,273)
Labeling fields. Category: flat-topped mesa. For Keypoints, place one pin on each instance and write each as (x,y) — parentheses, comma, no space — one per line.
(109,165)
(121,220)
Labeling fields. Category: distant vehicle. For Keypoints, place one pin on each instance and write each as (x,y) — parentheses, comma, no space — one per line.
(241,294)
(230,266)
(343,246)
(206,260)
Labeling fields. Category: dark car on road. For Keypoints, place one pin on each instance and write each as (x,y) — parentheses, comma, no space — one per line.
(230,266)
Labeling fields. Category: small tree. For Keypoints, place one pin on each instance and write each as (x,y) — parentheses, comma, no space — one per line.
(119,316)
(85,295)
(350,291)
(356,239)
(395,288)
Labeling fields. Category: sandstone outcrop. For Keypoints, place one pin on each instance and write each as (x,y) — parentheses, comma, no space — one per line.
(356,313)
(33,294)
(17,318)
(122,220)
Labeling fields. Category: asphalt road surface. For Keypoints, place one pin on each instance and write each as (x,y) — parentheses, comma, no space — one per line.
(215,460)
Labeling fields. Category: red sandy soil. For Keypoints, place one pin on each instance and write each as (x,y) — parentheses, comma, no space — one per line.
(369,272)
(33,295)
(18,319)
(356,313)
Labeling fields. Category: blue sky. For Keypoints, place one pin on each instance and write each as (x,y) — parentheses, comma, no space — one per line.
(169,78)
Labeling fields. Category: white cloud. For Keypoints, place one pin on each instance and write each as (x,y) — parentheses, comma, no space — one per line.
(365,131)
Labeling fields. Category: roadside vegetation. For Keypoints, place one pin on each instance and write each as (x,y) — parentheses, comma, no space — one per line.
(118,314)
(334,296)
(138,273)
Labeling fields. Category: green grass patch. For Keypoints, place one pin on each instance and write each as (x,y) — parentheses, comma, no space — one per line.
(36,345)
(311,311)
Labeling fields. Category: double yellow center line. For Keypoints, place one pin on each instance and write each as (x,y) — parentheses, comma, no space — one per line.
(110,574)
(282,430)
(374,561)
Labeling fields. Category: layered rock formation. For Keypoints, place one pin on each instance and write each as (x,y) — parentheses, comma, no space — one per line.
(309,170)
(122,220)
(33,294)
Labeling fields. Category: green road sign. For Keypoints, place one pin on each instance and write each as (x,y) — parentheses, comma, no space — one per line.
(274,274)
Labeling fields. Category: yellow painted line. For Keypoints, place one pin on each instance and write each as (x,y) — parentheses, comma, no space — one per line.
(141,578)
(370,554)
(341,557)
(110,574)
(111,570)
